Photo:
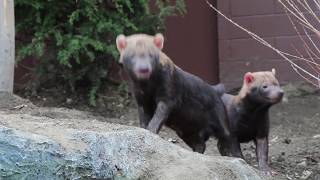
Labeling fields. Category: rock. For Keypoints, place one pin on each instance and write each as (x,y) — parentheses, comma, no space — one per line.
(306,174)
(69,101)
(275,139)
(172,140)
(303,163)
(287,141)
(45,148)
(19,107)
(280,158)
(316,136)
(288,177)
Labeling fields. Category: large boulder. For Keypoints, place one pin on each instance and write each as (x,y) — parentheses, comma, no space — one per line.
(33,147)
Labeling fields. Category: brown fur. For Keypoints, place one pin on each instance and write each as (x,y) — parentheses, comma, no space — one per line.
(165,60)
(248,112)
(145,43)
(139,43)
(169,96)
(259,78)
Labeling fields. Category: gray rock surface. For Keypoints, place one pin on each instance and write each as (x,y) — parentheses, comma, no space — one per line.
(33,147)
(39,148)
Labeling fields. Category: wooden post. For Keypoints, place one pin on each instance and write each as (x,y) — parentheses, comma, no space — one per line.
(7,45)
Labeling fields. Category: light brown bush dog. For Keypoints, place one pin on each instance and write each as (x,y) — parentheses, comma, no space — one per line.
(248,112)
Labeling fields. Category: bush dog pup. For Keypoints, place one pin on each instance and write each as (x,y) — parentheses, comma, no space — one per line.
(248,112)
(167,95)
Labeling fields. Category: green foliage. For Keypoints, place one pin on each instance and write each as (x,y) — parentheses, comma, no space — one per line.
(74,40)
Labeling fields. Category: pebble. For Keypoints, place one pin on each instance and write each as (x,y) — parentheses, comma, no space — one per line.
(288,177)
(316,136)
(306,174)
(302,164)
(69,101)
(172,140)
(280,159)
(287,141)
(274,139)
(285,99)
(20,106)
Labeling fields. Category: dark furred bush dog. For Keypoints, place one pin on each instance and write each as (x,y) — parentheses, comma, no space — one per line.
(166,94)
(248,112)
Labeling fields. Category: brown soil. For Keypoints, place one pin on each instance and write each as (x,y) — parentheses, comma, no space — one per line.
(294,137)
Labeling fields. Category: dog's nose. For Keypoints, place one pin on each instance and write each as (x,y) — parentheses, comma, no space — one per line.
(280,93)
(144,70)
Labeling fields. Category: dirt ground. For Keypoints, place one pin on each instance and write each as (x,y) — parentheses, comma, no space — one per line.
(294,138)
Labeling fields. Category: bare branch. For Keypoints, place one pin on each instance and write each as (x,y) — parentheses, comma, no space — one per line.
(292,9)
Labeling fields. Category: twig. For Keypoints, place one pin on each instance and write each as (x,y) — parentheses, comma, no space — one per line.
(284,55)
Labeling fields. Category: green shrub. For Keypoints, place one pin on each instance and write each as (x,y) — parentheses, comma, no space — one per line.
(74,40)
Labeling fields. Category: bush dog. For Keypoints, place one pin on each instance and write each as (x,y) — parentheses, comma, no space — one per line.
(167,95)
(248,112)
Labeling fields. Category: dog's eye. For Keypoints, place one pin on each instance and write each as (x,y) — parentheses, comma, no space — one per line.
(265,87)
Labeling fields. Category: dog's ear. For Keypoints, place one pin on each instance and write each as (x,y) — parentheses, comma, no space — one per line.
(158,40)
(121,42)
